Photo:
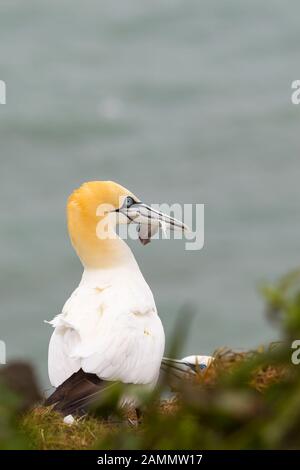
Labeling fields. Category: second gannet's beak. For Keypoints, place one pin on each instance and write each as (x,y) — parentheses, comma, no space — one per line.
(187,365)
(149,220)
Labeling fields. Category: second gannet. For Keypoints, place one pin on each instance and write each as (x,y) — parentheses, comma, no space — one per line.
(109,329)
(175,372)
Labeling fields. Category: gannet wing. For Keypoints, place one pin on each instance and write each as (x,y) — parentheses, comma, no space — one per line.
(76,393)
(60,364)
(114,333)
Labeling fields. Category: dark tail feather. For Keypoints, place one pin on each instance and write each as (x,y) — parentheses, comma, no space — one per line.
(77,392)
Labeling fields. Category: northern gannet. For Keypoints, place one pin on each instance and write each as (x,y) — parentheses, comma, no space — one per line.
(186,365)
(109,329)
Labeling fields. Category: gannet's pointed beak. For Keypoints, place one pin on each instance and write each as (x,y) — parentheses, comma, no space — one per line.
(149,220)
(187,365)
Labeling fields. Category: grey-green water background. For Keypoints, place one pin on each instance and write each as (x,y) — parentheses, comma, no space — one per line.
(181,101)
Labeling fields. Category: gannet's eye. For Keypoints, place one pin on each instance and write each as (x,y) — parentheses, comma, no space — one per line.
(129,201)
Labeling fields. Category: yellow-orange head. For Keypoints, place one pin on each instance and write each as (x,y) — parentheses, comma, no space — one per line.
(88,206)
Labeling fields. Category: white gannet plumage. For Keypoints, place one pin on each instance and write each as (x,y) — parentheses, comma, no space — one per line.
(109,326)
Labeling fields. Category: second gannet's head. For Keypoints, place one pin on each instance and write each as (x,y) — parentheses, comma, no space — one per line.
(94,210)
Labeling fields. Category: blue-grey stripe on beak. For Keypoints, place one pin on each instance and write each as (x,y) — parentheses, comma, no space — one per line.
(181,367)
(141,213)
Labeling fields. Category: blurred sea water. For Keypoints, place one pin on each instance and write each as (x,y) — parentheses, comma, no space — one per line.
(180,101)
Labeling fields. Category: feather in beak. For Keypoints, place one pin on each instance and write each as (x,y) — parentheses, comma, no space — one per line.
(149,220)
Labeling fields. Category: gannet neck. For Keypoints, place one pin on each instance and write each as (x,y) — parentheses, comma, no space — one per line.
(111,275)
(105,254)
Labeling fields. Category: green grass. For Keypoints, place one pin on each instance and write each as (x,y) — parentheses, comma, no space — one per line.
(45,429)
(244,400)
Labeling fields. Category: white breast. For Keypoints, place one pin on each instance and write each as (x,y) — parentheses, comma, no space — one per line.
(110,327)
